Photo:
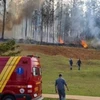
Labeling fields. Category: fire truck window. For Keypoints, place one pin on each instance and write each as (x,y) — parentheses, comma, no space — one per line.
(36,71)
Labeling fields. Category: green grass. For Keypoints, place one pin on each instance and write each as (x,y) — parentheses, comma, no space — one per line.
(84,82)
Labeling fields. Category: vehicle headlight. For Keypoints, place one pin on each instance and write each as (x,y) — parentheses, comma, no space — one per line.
(35,95)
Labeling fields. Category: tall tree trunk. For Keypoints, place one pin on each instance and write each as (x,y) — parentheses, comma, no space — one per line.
(26,28)
(41,31)
(3,26)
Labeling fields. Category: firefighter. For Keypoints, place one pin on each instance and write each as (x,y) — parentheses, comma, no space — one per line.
(71,63)
(79,63)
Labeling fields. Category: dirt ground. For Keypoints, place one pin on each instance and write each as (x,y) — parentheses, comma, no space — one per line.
(69,52)
(72,97)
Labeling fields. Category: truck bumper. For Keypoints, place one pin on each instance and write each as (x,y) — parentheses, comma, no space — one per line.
(25,96)
(38,98)
(28,97)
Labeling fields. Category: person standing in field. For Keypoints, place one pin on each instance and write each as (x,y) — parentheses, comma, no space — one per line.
(79,64)
(60,85)
(71,63)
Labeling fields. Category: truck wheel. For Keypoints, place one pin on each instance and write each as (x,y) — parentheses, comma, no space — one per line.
(8,97)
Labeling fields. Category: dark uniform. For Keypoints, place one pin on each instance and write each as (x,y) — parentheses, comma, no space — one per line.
(71,63)
(79,64)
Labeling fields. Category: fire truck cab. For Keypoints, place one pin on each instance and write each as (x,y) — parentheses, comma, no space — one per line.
(20,78)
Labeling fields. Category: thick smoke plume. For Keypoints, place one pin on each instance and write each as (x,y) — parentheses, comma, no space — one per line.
(22,9)
(18,11)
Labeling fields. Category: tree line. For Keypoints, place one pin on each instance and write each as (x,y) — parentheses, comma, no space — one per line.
(67,20)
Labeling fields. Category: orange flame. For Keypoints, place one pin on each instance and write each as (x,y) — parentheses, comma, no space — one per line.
(60,40)
(84,44)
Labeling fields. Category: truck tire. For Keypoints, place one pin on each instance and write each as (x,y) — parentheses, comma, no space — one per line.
(8,97)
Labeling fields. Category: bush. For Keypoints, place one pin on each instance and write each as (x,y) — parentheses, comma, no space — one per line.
(9,48)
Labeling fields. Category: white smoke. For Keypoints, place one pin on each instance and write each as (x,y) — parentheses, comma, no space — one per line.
(92,16)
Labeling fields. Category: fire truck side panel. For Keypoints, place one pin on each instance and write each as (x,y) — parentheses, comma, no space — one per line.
(19,79)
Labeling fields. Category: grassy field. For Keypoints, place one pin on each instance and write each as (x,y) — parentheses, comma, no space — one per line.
(84,82)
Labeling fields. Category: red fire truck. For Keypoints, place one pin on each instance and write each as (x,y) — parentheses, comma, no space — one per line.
(20,78)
